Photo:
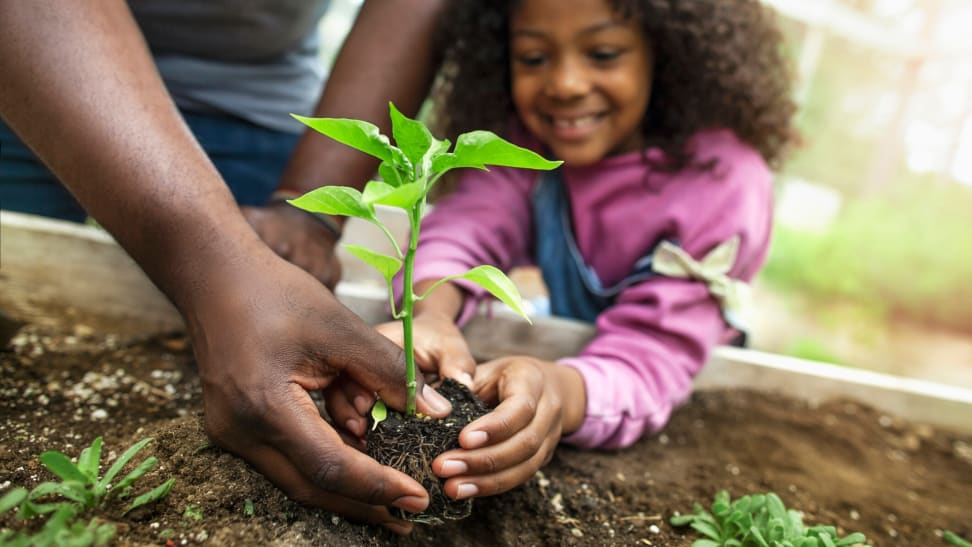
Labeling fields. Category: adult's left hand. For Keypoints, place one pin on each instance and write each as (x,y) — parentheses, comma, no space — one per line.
(299,238)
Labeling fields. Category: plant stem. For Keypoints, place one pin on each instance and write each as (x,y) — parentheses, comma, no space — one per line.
(408,306)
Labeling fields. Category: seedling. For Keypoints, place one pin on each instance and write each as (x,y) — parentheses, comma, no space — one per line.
(81,489)
(409,169)
(759,520)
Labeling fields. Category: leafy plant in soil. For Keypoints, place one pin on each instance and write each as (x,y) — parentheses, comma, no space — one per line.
(409,169)
(81,490)
(759,520)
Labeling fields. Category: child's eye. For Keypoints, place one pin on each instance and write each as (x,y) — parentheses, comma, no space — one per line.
(533,59)
(605,55)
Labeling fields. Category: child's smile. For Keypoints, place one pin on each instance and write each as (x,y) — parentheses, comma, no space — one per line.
(581,77)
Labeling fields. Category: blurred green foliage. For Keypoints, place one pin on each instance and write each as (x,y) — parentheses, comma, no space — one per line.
(904,254)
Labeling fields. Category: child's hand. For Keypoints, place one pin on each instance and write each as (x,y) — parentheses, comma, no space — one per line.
(538,402)
(440,348)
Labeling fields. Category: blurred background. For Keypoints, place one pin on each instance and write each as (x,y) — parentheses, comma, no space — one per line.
(871,264)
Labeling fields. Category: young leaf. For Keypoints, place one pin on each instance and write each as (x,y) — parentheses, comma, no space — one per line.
(120,462)
(500,286)
(72,490)
(478,149)
(412,137)
(357,134)
(378,414)
(154,494)
(388,266)
(136,474)
(89,461)
(61,465)
(13,499)
(335,200)
(390,174)
(948,536)
(403,197)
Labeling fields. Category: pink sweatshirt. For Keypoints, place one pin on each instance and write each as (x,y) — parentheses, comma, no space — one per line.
(658,334)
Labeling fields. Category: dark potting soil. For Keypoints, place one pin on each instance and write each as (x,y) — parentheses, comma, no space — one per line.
(841,463)
(410,443)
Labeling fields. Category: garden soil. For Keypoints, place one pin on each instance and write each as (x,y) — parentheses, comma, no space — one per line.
(840,463)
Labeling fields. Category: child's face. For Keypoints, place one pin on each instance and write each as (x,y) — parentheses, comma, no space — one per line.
(581,77)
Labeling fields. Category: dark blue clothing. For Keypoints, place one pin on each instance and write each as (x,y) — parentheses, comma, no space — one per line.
(250,158)
(574,288)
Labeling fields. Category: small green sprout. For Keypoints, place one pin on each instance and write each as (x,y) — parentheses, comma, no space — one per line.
(248,507)
(81,489)
(759,520)
(192,513)
(378,414)
(408,171)
(955,539)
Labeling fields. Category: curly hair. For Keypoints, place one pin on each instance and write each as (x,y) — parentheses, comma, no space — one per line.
(718,64)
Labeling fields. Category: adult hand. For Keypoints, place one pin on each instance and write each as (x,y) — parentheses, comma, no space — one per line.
(538,401)
(440,352)
(299,238)
(263,341)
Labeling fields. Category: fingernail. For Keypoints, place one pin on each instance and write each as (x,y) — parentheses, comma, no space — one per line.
(362,405)
(412,504)
(465,379)
(475,439)
(400,528)
(466,491)
(453,467)
(438,403)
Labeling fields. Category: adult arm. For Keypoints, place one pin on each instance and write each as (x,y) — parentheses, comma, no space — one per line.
(81,90)
(387,56)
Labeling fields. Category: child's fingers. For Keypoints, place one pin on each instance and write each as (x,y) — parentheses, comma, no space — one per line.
(456,361)
(512,415)
(392,331)
(348,406)
(505,478)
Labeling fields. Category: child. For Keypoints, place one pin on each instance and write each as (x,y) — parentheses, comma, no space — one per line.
(667,115)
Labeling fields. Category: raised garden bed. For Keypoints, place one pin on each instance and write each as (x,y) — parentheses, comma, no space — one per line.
(119,366)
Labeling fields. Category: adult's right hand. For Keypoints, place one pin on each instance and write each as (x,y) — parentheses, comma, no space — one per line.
(266,338)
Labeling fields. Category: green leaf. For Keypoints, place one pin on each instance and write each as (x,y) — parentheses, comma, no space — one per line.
(72,490)
(136,474)
(948,536)
(411,136)
(707,529)
(403,197)
(13,499)
(90,460)
(706,543)
(121,462)
(478,149)
(335,200)
(388,266)
(681,520)
(390,174)
(152,495)
(500,286)
(378,414)
(357,134)
(61,465)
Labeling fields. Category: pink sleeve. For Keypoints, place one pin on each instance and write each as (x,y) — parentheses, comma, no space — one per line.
(659,333)
(485,221)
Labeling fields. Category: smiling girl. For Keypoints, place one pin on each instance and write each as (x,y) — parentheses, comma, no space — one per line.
(668,115)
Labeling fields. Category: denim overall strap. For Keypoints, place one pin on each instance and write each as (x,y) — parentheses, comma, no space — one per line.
(574,289)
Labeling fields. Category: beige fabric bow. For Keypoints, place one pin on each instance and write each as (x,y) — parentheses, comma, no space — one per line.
(733,295)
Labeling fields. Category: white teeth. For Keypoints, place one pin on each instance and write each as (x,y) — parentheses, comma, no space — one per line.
(575,122)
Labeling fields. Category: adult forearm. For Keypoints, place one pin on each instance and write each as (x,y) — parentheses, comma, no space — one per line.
(80,88)
(388,56)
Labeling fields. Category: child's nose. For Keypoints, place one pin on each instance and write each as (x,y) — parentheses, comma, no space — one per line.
(567,80)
